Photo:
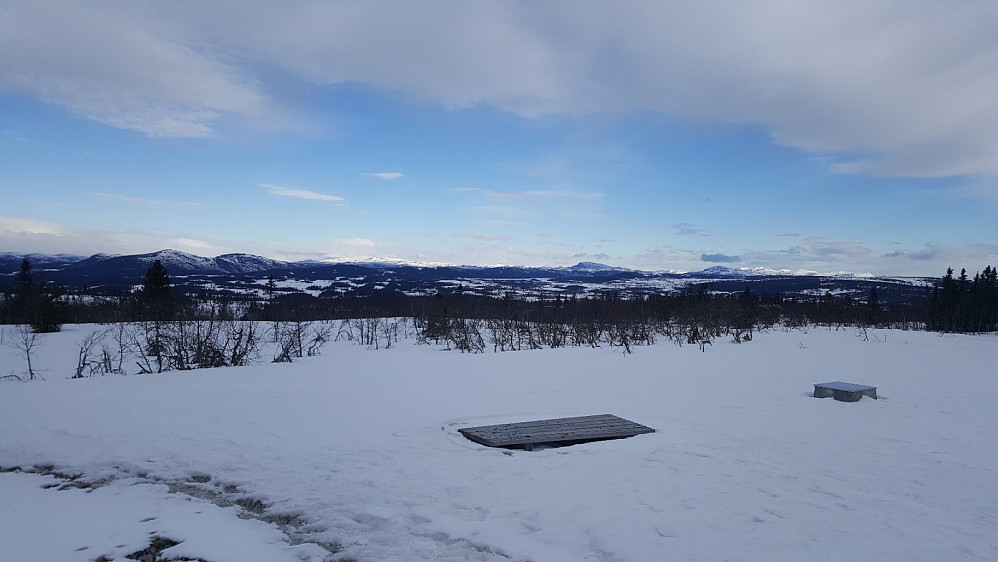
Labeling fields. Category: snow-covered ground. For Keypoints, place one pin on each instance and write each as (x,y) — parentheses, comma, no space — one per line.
(357,452)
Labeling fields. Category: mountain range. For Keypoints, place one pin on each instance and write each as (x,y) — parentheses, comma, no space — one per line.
(246,276)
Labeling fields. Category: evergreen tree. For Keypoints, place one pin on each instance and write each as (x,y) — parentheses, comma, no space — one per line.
(873,307)
(949,301)
(22,305)
(24,278)
(156,285)
(964,305)
(34,304)
(156,291)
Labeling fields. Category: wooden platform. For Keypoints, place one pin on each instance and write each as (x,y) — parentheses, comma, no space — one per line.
(554,432)
(844,391)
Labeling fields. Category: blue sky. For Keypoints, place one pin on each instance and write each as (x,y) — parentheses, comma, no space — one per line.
(822,136)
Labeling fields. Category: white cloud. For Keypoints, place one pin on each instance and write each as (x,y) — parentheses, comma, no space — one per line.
(332,249)
(984,188)
(299,193)
(385,175)
(543,194)
(897,83)
(121,64)
(828,256)
(24,226)
(189,243)
(353,242)
(505,195)
(830,250)
(498,212)
(480,236)
(32,235)
(884,87)
(687,229)
(142,200)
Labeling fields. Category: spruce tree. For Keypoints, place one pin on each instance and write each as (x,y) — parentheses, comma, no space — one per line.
(22,305)
(873,307)
(36,305)
(157,282)
(156,291)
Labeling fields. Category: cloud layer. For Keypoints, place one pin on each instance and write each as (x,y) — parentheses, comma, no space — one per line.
(889,87)
(299,193)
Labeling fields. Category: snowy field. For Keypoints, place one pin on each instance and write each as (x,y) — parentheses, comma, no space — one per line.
(355,455)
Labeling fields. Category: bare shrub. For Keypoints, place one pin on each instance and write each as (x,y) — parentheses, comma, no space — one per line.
(25,340)
(85,360)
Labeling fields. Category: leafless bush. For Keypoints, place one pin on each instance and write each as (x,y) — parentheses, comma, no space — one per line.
(298,338)
(242,345)
(318,339)
(114,352)
(25,340)
(146,343)
(85,360)
(466,336)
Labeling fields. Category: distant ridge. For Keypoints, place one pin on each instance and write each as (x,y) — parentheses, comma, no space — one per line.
(247,274)
(179,262)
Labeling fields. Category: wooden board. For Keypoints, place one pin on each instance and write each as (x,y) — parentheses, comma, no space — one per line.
(844,391)
(554,432)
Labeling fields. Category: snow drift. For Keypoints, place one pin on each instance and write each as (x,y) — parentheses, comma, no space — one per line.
(356,455)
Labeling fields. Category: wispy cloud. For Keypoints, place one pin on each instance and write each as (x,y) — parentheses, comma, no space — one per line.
(983,187)
(480,236)
(587,256)
(143,200)
(506,212)
(831,250)
(353,242)
(971,256)
(545,194)
(20,225)
(189,244)
(384,175)
(687,229)
(299,193)
(719,258)
(50,237)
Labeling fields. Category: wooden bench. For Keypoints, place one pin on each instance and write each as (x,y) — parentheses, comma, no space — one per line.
(554,432)
(844,391)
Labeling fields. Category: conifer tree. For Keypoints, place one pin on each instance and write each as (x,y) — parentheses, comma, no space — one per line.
(36,305)
(24,288)
(157,282)
(873,307)
(156,291)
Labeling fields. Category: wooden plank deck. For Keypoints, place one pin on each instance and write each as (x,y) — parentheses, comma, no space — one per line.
(844,391)
(554,432)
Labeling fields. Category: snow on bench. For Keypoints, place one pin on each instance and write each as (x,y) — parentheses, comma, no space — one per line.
(554,432)
(844,391)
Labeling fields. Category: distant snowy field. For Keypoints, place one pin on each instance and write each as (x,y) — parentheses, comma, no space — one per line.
(357,452)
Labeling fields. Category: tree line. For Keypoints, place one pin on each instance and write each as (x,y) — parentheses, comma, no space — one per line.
(965,305)
(154,328)
(954,304)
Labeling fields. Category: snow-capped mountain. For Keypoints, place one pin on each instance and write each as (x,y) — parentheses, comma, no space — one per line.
(177,263)
(724,271)
(11,262)
(247,274)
